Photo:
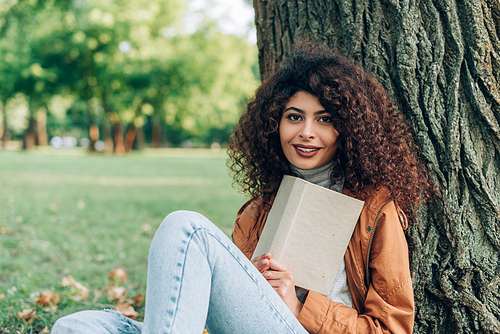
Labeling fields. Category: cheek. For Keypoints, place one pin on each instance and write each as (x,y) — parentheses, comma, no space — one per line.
(284,132)
(330,137)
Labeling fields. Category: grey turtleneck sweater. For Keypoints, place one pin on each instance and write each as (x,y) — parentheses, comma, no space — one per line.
(321,176)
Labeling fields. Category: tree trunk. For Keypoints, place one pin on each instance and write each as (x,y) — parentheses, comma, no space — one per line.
(156,132)
(139,139)
(94,136)
(119,146)
(441,61)
(41,127)
(133,131)
(106,136)
(130,136)
(30,137)
(6,132)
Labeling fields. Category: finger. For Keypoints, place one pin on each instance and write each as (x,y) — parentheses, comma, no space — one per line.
(283,276)
(261,262)
(262,257)
(278,266)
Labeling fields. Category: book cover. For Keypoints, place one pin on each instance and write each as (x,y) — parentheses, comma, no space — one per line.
(308,229)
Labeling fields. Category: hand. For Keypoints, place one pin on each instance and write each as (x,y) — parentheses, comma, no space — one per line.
(281,279)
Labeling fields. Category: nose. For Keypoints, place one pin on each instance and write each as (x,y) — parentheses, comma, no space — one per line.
(307,131)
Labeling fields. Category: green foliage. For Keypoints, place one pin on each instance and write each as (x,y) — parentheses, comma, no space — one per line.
(125,59)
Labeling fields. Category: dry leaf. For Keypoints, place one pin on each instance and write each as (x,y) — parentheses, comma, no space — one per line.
(138,300)
(27,314)
(205,331)
(119,274)
(45,330)
(117,294)
(135,301)
(2,296)
(48,298)
(82,292)
(127,311)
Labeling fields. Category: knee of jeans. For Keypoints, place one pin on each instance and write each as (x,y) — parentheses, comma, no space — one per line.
(181,221)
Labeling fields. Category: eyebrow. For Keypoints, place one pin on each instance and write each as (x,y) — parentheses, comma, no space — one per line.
(303,112)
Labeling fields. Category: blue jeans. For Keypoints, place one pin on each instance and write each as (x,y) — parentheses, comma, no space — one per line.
(196,277)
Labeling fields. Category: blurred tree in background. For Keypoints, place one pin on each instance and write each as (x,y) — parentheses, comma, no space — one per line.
(123,72)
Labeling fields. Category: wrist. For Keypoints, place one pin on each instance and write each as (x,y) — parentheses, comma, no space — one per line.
(298,308)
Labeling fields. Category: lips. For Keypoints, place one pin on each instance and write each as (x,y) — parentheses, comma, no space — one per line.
(306,152)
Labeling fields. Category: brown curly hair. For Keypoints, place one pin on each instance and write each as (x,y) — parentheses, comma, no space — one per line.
(375,146)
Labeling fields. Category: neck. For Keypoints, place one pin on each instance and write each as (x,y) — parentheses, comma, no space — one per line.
(320,176)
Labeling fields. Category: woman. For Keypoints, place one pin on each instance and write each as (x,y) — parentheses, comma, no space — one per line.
(324,119)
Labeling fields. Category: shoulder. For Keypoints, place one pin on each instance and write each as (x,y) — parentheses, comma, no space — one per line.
(379,201)
(252,208)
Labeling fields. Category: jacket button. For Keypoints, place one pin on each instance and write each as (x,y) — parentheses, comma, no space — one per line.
(369,228)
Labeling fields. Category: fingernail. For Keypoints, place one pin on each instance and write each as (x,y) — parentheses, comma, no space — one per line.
(263,262)
(267,275)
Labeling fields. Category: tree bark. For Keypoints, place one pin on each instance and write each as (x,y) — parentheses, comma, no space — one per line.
(119,147)
(41,127)
(6,132)
(156,135)
(130,137)
(441,61)
(30,137)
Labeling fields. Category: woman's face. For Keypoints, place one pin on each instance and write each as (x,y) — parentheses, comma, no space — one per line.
(307,135)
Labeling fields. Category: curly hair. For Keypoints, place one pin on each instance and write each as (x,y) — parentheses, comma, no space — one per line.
(375,145)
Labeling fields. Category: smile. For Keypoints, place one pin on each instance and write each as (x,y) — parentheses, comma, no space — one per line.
(306,150)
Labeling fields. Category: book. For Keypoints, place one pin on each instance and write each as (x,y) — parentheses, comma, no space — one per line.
(308,229)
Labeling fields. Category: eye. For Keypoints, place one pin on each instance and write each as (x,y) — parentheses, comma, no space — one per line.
(294,117)
(326,119)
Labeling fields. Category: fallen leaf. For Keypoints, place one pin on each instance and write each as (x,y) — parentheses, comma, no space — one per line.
(82,292)
(27,314)
(127,311)
(48,298)
(2,296)
(117,294)
(205,331)
(138,300)
(45,330)
(119,274)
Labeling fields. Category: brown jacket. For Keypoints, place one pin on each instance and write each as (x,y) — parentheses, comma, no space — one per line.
(387,305)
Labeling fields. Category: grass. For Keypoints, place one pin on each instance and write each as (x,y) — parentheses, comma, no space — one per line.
(66,212)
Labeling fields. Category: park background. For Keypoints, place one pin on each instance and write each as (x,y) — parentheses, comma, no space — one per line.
(439,59)
(113,114)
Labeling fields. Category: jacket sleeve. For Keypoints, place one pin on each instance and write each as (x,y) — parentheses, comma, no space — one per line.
(389,305)
(248,225)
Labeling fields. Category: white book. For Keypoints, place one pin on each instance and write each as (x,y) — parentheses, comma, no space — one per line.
(308,229)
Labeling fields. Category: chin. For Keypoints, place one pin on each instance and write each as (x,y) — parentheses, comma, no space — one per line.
(308,165)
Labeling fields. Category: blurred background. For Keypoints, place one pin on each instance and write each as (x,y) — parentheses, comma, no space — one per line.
(120,75)
(113,113)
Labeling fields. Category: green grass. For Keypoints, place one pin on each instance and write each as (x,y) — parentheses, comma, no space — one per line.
(66,212)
